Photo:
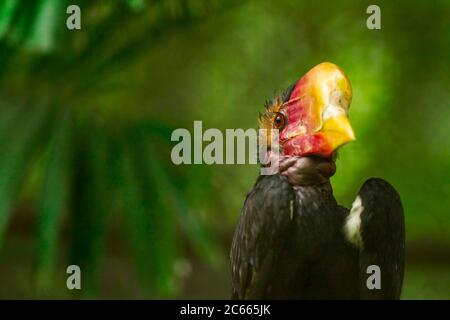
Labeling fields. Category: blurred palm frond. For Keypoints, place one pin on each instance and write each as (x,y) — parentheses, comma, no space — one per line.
(52,78)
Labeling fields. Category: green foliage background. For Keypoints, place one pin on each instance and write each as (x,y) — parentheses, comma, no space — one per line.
(86,118)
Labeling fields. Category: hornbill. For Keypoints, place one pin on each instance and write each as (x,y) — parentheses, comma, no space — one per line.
(293,240)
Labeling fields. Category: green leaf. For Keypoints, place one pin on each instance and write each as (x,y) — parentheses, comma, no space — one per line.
(18,150)
(24,19)
(42,35)
(174,201)
(53,200)
(136,215)
(150,224)
(90,205)
(7,10)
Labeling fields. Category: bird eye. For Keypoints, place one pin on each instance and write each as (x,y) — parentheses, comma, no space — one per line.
(279,121)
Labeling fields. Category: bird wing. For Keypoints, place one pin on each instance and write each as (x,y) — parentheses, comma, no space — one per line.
(260,236)
(376,225)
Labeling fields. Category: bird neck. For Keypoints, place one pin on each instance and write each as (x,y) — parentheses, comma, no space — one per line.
(307,171)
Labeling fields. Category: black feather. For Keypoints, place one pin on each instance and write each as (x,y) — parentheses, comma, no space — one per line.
(290,243)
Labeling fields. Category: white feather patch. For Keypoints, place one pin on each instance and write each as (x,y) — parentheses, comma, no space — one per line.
(352,227)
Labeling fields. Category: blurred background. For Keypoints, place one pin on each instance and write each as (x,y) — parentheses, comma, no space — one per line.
(86,117)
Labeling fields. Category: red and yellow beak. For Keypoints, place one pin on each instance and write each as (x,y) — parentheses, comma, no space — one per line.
(317,113)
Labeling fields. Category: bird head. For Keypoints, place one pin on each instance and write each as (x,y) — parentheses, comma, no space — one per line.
(312,117)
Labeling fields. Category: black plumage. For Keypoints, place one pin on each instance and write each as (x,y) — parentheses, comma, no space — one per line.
(291,242)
